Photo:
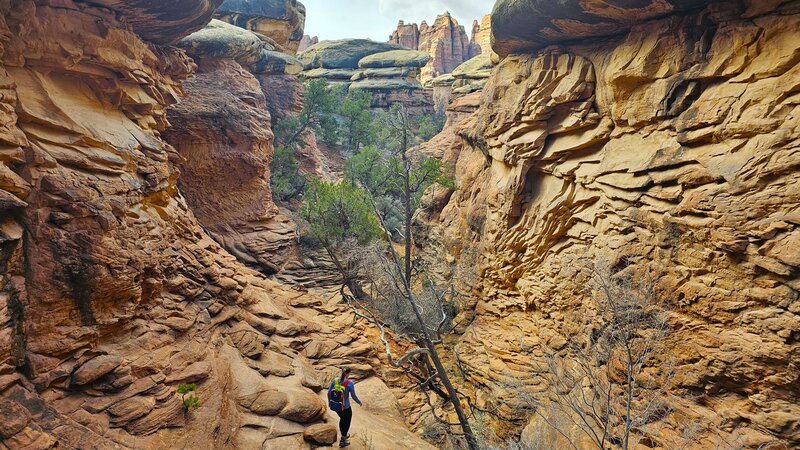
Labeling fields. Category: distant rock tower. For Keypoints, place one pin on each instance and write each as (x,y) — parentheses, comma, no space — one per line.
(446,41)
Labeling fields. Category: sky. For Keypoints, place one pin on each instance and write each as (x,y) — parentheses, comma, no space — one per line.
(376,19)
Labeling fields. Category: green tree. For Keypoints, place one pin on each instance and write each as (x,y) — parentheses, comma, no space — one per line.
(429,126)
(383,176)
(357,126)
(286,179)
(320,102)
(406,176)
(340,215)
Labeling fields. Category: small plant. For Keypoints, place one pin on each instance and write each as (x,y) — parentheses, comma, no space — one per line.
(192,401)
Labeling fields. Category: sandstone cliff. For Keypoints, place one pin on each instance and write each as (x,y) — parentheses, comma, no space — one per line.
(223,131)
(111,292)
(662,136)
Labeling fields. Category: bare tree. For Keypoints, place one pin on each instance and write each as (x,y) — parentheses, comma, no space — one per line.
(615,382)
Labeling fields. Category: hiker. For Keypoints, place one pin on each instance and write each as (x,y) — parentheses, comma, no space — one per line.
(339,394)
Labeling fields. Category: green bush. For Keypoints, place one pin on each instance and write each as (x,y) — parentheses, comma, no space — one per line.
(189,402)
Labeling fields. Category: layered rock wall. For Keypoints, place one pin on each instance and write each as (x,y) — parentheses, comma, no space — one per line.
(223,131)
(672,148)
(385,70)
(111,292)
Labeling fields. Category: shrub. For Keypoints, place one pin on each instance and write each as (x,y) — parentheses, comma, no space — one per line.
(189,402)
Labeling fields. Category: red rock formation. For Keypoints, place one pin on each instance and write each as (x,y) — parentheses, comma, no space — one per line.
(406,35)
(307,41)
(474,46)
(482,36)
(446,41)
(225,177)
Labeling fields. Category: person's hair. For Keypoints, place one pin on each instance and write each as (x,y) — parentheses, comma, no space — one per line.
(345,373)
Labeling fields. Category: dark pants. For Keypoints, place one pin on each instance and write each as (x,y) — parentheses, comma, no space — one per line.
(344,420)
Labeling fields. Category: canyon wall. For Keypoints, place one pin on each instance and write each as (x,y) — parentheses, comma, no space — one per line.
(660,137)
(112,291)
(223,131)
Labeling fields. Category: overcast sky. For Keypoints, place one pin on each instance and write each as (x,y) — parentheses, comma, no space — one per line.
(376,19)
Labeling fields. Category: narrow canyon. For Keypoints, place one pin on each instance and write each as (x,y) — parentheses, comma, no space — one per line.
(145,246)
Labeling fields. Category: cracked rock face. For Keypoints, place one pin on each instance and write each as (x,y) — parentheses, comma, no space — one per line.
(672,148)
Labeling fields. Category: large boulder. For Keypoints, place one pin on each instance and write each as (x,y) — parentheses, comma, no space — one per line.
(524,25)
(321,434)
(222,40)
(281,20)
(395,58)
(343,53)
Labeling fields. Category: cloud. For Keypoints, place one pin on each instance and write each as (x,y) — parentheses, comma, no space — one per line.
(377,19)
(417,11)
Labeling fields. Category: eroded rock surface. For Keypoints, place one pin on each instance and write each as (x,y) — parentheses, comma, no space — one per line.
(111,292)
(672,148)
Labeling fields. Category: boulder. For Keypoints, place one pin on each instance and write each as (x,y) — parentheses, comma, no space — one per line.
(94,369)
(342,54)
(303,407)
(395,58)
(479,67)
(524,25)
(272,62)
(265,403)
(222,40)
(321,434)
